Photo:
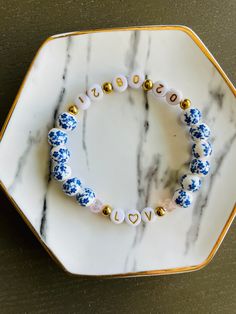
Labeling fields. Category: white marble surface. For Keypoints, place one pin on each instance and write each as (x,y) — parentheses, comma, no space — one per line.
(128,148)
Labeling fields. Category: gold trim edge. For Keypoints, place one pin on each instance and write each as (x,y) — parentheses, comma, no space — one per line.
(207,53)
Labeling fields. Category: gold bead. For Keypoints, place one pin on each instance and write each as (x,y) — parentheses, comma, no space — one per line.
(160,211)
(185,104)
(73,109)
(107,87)
(147,85)
(106,211)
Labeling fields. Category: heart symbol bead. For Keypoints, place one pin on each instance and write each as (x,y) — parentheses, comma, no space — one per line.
(133,218)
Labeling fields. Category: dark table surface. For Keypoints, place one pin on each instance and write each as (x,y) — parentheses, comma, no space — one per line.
(30,282)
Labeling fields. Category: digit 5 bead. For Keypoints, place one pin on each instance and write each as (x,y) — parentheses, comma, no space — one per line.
(190,182)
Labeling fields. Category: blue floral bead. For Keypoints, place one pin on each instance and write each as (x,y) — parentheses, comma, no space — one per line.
(67,121)
(191,116)
(190,182)
(72,186)
(182,198)
(86,197)
(60,154)
(200,132)
(200,166)
(57,137)
(201,149)
(61,172)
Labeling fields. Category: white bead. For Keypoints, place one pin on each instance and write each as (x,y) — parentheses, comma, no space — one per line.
(95,92)
(173,97)
(117,216)
(120,83)
(159,89)
(136,80)
(133,217)
(148,215)
(96,206)
(83,101)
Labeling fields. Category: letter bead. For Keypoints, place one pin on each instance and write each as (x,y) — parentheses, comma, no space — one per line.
(133,217)
(159,89)
(148,215)
(61,172)
(190,182)
(191,116)
(120,83)
(83,101)
(200,132)
(95,92)
(201,149)
(182,198)
(72,186)
(60,154)
(86,197)
(173,97)
(57,137)
(136,80)
(117,216)
(200,166)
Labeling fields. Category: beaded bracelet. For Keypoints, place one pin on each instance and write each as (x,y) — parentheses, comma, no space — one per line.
(189,182)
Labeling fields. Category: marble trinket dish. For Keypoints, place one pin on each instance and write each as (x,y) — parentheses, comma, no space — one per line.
(129,148)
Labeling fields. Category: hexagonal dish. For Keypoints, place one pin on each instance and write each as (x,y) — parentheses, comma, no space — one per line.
(116,154)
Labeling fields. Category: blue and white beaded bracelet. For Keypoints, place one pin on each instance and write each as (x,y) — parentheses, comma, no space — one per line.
(85,196)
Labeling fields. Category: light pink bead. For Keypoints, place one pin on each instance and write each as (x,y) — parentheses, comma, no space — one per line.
(169,205)
(96,207)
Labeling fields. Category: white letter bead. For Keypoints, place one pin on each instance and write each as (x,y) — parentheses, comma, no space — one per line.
(117,216)
(173,97)
(136,80)
(120,83)
(83,101)
(148,215)
(133,217)
(160,89)
(95,92)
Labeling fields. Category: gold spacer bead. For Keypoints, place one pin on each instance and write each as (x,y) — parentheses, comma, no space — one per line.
(185,104)
(73,109)
(147,85)
(106,211)
(107,87)
(160,211)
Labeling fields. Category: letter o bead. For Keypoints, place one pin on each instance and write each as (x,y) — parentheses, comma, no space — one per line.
(159,89)
(83,101)
(173,97)
(136,80)
(120,83)
(117,216)
(95,92)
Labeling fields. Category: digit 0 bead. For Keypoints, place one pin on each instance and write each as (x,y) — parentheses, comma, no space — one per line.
(190,182)
(159,89)
(86,197)
(61,172)
(200,166)
(191,116)
(201,149)
(95,92)
(136,80)
(72,186)
(182,198)
(200,132)
(173,97)
(117,216)
(57,137)
(60,154)
(120,83)
(67,121)
(83,101)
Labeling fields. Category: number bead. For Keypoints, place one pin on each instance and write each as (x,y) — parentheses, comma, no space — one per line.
(60,154)
(136,80)
(107,87)
(160,211)
(133,217)
(120,83)
(57,137)
(182,198)
(86,197)
(95,92)
(106,210)
(83,101)
(173,97)
(159,89)
(185,104)
(190,182)
(148,215)
(147,85)
(117,216)
(72,186)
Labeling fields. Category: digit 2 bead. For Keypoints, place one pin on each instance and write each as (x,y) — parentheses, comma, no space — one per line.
(189,183)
